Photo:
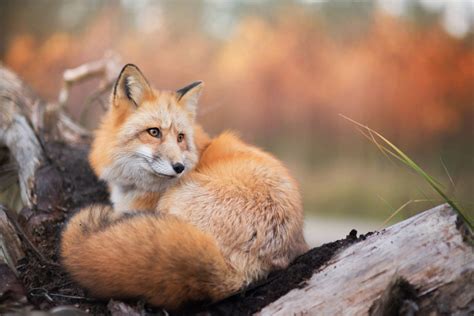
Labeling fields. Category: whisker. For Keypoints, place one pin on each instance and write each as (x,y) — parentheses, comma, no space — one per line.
(139,154)
(148,159)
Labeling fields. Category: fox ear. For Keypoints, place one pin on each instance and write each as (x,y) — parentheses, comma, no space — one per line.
(189,96)
(131,85)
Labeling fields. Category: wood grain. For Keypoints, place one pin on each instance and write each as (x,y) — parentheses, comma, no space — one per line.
(428,250)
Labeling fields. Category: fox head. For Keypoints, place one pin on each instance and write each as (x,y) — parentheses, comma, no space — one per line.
(146,139)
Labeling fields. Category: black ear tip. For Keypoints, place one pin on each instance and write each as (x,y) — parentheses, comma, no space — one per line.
(130,66)
(200,83)
(184,90)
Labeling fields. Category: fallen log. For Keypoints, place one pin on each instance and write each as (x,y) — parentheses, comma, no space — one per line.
(422,265)
(429,251)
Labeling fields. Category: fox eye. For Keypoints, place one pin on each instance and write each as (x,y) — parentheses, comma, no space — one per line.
(180,137)
(155,132)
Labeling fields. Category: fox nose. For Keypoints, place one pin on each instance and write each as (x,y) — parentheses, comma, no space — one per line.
(178,167)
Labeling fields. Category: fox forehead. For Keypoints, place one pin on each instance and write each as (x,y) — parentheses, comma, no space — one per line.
(162,112)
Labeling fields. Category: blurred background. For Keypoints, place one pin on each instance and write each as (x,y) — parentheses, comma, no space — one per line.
(280,73)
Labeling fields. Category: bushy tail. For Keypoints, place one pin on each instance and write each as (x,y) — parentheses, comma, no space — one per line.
(160,258)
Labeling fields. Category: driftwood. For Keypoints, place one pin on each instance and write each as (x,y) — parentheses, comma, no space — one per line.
(422,265)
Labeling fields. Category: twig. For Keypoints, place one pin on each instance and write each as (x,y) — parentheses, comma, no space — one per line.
(40,291)
(107,68)
(95,97)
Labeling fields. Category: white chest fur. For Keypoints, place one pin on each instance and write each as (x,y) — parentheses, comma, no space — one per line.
(121,198)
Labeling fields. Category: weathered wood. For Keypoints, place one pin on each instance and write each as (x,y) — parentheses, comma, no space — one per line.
(26,121)
(106,68)
(12,292)
(428,250)
(10,246)
(17,105)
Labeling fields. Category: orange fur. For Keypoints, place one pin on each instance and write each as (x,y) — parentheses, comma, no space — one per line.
(233,217)
(147,201)
(247,200)
(161,259)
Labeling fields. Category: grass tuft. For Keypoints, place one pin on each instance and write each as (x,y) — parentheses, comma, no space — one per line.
(390,150)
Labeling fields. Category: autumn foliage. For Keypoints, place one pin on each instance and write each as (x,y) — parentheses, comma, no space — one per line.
(290,73)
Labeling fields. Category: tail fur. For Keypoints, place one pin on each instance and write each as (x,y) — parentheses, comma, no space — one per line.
(160,258)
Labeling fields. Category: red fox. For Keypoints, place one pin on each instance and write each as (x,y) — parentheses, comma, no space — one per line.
(193,218)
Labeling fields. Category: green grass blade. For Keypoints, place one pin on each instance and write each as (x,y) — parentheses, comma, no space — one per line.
(394,151)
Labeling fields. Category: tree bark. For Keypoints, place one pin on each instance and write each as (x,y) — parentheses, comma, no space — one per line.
(433,251)
(10,246)
(19,108)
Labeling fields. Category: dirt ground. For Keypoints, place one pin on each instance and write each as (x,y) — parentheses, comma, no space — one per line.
(68,184)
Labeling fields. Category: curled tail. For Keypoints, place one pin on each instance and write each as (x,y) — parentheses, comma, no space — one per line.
(160,258)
